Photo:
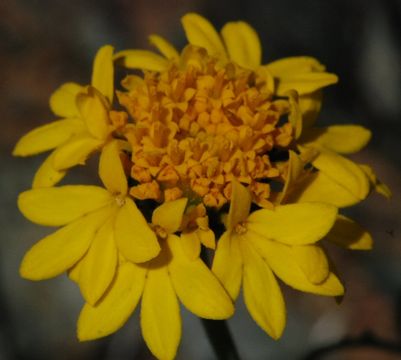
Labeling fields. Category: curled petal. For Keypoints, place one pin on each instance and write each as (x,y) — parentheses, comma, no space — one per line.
(243,44)
(227,263)
(94,111)
(62,101)
(103,72)
(119,302)
(165,47)
(134,238)
(201,32)
(240,204)
(62,205)
(196,286)
(160,320)
(310,105)
(60,250)
(350,235)
(344,173)
(305,83)
(302,73)
(285,264)
(262,294)
(295,65)
(141,59)
(295,116)
(380,188)
(343,139)
(294,224)
(47,137)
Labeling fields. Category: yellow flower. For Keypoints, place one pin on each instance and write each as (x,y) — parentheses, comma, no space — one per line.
(85,126)
(207,130)
(282,241)
(159,282)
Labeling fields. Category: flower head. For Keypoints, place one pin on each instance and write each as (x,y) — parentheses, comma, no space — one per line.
(213,148)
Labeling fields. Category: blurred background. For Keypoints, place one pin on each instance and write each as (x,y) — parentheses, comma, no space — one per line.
(45,43)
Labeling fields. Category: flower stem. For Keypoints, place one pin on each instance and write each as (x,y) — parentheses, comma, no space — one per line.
(221,340)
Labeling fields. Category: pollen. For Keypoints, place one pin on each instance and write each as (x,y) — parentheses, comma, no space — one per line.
(160,231)
(120,200)
(199,125)
(240,228)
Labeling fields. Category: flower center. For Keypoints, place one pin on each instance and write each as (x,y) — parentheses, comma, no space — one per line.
(199,125)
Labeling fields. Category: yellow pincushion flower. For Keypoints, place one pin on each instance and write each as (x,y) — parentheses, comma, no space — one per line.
(211,145)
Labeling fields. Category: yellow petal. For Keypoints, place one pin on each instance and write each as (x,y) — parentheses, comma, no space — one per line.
(206,238)
(295,116)
(111,170)
(350,235)
(379,187)
(103,72)
(227,263)
(190,244)
(240,204)
(94,111)
(131,82)
(73,272)
(99,264)
(47,175)
(141,59)
(262,294)
(169,215)
(295,65)
(62,101)
(165,47)
(75,151)
(243,44)
(294,224)
(61,205)
(60,250)
(47,137)
(120,301)
(200,32)
(343,139)
(305,83)
(282,261)
(310,105)
(134,238)
(160,315)
(344,173)
(295,171)
(196,286)
(313,262)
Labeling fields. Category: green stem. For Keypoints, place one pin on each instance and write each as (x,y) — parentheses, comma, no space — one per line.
(221,340)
